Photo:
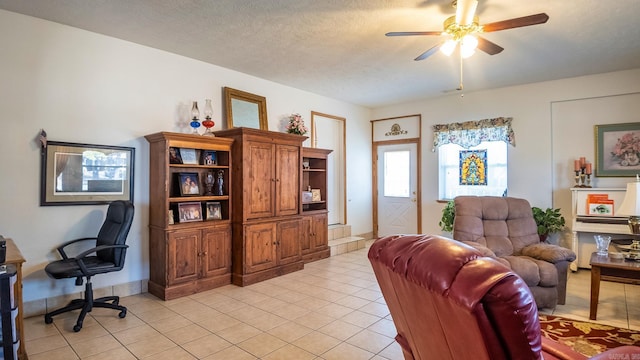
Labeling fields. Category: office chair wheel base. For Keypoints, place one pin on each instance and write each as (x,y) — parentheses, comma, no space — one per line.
(122,314)
(48,319)
(77,328)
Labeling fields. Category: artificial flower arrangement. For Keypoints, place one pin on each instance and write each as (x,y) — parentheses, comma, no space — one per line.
(296,125)
(627,150)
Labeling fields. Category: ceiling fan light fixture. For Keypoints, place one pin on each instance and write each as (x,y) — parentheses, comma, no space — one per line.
(468,46)
(448,47)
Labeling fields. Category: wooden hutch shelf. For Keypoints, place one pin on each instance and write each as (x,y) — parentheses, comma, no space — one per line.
(188,252)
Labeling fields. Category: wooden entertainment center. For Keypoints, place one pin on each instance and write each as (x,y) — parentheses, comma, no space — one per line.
(265,229)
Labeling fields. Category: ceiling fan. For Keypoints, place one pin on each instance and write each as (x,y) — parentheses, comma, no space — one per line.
(463,29)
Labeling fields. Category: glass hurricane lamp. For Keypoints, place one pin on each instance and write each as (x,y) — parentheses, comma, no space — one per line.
(208,113)
(195,115)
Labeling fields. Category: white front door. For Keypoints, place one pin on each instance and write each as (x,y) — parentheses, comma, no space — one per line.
(397,189)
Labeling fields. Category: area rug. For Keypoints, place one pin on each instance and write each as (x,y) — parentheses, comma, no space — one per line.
(587,338)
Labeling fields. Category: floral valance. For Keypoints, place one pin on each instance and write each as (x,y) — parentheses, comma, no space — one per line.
(472,133)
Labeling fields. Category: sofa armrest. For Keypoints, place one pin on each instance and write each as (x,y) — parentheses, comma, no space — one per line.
(484,251)
(548,252)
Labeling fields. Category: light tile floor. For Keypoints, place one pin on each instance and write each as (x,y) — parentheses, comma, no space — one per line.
(331,310)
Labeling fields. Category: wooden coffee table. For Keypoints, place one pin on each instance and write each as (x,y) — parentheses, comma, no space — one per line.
(608,269)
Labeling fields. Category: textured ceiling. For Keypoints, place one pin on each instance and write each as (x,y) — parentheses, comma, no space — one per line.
(337,48)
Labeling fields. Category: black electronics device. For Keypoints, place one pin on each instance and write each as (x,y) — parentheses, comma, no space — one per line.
(3,250)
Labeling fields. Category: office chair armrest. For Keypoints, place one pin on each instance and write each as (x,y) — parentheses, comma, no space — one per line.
(61,247)
(84,254)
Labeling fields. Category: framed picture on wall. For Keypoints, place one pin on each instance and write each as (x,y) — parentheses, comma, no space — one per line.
(617,149)
(85,174)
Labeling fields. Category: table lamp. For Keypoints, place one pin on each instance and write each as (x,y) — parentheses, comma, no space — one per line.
(631,207)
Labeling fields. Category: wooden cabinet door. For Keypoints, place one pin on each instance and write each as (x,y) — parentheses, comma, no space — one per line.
(318,233)
(258,190)
(215,252)
(287,179)
(289,234)
(260,243)
(182,256)
(305,239)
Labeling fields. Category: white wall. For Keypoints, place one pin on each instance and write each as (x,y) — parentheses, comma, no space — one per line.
(88,88)
(84,87)
(533,163)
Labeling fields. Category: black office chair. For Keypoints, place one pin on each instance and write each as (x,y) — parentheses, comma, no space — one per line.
(107,256)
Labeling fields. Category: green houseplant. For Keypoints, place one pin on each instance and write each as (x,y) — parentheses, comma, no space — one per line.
(549,221)
(448,213)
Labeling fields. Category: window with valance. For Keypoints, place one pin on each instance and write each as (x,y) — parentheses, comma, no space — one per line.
(472,133)
(472,157)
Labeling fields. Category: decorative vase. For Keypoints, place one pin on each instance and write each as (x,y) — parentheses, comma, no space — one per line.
(219,188)
(209,182)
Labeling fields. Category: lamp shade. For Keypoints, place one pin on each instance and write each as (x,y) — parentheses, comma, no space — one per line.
(448,47)
(631,203)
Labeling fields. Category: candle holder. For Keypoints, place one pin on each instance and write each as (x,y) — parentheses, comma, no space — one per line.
(583,173)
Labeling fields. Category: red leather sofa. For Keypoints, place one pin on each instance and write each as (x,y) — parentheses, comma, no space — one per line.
(450,302)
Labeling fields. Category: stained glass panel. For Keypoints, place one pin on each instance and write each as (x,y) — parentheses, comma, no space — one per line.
(473,167)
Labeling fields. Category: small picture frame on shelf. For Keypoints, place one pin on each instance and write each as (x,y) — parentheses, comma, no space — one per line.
(174,156)
(214,211)
(189,184)
(189,212)
(209,157)
(307,197)
(315,195)
(188,156)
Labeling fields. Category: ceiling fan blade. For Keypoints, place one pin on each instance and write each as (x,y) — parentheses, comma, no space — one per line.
(516,22)
(411,33)
(465,11)
(488,46)
(428,53)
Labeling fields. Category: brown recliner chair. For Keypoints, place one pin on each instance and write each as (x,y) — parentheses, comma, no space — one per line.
(504,228)
(450,302)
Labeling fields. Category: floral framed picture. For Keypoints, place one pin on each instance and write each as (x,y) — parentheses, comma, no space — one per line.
(617,149)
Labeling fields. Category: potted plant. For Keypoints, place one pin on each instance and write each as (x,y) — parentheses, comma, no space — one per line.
(549,221)
(448,213)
